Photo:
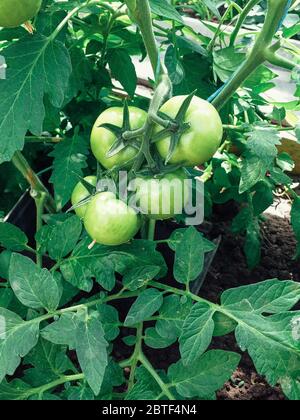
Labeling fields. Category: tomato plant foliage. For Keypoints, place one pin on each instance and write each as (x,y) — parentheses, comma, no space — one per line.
(62,314)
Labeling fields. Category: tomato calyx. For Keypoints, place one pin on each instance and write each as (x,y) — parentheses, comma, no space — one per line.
(175,127)
(121,142)
(91,190)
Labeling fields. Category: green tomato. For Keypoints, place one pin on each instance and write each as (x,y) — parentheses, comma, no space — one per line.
(201,141)
(110,221)
(103,139)
(80,193)
(14,13)
(162,198)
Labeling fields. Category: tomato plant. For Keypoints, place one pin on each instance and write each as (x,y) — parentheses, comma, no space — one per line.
(130,122)
(14,13)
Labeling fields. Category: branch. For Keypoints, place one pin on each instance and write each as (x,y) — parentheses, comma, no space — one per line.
(36,185)
(259,53)
(141,12)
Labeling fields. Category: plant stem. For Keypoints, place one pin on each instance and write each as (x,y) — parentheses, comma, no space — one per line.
(34,181)
(136,355)
(151,231)
(43,139)
(258,54)
(162,91)
(145,362)
(142,16)
(279,61)
(39,199)
(87,305)
(44,388)
(224,17)
(241,20)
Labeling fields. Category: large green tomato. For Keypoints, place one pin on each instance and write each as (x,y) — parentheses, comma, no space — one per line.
(162,198)
(14,13)
(201,141)
(110,221)
(102,139)
(80,193)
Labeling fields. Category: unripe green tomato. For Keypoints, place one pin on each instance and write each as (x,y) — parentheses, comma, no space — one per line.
(201,141)
(80,193)
(162,198)
(109,221)
(103,139)
(14,13)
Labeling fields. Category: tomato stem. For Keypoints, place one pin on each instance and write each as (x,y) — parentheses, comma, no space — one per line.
(39,198)
(142,16)
(34,181)
(164,387)
(259,53)
(151,230)
(249,6)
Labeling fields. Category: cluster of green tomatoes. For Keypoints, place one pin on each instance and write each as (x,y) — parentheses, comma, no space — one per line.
(108,219)
(111,221)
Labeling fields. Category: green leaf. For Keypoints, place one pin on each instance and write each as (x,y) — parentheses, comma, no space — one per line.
(15,390)
(164,9)
(6,296)
(176,238)
(291,388)
(35,288)
(113,377)
(91,350)
(105,274)
(84,263)
(148,302)
(263,142)
(197,333)
(11,237)
(223,325)
(205,377)
(49,363)
(69,160)
(174,67)
(138,277)
(295,220)
(261,152)
(60,239)
(172,315)
(80,393)
(155,341)
(62,331)
(44,69)
(145,388)
(189,258)
(252,246)
(123,69)
(17,338)
(5,257)
(109,317)
(272,343)
(253,170)
(263,198)
(271,296)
